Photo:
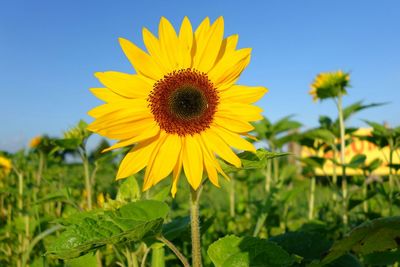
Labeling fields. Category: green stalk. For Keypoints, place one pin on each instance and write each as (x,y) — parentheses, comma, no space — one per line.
(311,198)
(232,197)
(334,176)
(195,227)
(390,177)
(174,249)
(268,177)
(88,184)
(342,159)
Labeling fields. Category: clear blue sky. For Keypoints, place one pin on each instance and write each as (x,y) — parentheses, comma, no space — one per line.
(49,51)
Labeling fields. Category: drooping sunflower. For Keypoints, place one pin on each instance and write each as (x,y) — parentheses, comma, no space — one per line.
(329,84)
(182,108)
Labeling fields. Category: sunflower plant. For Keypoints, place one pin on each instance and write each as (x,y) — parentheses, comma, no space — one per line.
(181,113)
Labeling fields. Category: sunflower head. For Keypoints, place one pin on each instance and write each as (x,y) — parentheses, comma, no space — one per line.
(78,132)
(5,166)
(35,142)
(182,109)
(329,84)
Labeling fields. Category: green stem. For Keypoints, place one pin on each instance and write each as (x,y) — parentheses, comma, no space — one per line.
(174,249)
(232,194)
(391,185)
(88,184)
(342,159)
(36,240)
(195,227)
(334,177)
(276,169)
(311,198)
(268,177)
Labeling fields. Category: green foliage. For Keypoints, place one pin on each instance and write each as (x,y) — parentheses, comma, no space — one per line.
(232,251)
(251,160)
(373,236)
(132,222)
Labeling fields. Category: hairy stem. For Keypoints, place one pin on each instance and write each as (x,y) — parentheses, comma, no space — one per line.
(195,227)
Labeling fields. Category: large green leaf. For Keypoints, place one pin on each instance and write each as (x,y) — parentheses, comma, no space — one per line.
(252,160)
(373,236)
(309,245)
(358,106)
(132,222)
(233,251)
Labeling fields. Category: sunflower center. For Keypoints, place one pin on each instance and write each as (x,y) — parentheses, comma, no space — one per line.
(184,102)
(187,103)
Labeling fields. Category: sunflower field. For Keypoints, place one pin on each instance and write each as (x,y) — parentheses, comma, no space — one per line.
(190,173)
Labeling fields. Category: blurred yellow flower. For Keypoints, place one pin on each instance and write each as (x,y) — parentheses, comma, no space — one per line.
(100,200)
(182,107)
(5,166)
(329,84)
(35,142)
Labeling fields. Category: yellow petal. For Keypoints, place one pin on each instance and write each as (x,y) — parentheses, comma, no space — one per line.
(121,128)
(209,164)
(228,46)
(214,161)
(169,42)
(239,111)
(176,174)
(143,135)
(127,106)
(233,139)
(127,85)
(205,58)
(216,144)
(148,177)
(154,48)
(243,94)
(106,95)
(166,158)
(229,68)
(200,36)
(137,158)
(141,61)
(186,41)
(192,160)
(233,124)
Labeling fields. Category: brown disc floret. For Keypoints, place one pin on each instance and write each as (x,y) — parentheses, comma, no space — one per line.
(184,102)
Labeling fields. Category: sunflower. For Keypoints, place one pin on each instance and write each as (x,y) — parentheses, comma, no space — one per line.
(5,166)
(182,108)
(329,84)
(35,142)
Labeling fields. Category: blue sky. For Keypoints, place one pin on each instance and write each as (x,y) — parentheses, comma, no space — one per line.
(49,51)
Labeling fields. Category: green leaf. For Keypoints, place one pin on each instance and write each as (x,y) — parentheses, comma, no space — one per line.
(378,128)
(382,258)
(356,107)
(252,160)
(373,236)
(308,245)
(175,228)
(132,222)
(357,161)
(285,124)
(322,134)
(129,190)
(88,260)
(233,251)
(68,143)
